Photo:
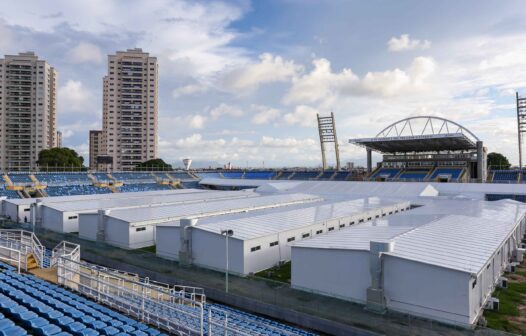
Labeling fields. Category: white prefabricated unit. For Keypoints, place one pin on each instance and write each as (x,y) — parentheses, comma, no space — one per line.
(17,209)
(444,269)
(261,240)
(135,228)
(63,217)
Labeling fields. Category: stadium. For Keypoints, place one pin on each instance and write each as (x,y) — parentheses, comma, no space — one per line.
(262,168)
(426,236)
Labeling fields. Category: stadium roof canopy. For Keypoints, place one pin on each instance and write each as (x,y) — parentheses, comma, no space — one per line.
(420,134)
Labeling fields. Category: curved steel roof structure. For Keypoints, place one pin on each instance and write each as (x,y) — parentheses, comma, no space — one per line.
(421,134)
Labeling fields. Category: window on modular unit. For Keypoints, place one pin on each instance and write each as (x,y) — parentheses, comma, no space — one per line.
(474,283)
(255,248)
(360,221)
(140,229)
(351,223)
(72,217)
(330,229)
(27,209)
(368,218)
(390,212)
(305,235)
(377,216)
(291,239)
(319,231)
(342,226)
(274,243)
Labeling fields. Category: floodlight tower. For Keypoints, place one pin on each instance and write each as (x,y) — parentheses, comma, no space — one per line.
(521,122)
(327,131)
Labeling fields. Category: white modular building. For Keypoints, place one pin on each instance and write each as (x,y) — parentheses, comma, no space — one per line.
(437,265)
(135,227)
(63,216)
(18,209)
(261,239)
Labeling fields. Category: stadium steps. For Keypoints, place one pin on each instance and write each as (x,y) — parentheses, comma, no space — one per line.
(7,180)
(31,262)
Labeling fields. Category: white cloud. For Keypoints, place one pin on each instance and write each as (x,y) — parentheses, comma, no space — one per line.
(303,115)
(264,114)
(286,142)
(324,86)
(319,84)
(270,69)
(74,97)
(226,110)
(85,52)
(197,121)
(404,42)
(189,90)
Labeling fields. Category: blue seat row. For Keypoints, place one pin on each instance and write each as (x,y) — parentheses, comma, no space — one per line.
(46,309)
(143,187)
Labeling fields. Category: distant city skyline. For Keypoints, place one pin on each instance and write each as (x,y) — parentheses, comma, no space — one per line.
(242,81)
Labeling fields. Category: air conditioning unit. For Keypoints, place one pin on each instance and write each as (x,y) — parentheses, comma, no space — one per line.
(493,304)
(519,255)
(511,268)
(503,282)
(282,262)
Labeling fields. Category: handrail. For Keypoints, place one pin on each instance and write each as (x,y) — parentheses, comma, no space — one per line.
(26,239)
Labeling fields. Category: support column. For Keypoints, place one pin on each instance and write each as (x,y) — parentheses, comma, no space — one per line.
(482,170)
(375,293)
(369,160)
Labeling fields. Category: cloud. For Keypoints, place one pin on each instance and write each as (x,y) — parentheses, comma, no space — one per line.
(264,114)
(267,141)
(270,69)
(189,90)
(319,83)
(324,86)
(226,110)
(74,97)
(303,115)
(404,42)
(85,52)
(197,121)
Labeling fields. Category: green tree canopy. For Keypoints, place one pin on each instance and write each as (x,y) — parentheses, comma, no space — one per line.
(498,161)
(154,164)
(60,159)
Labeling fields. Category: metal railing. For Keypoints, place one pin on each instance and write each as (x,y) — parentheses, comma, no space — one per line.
(28,243)
(175,311)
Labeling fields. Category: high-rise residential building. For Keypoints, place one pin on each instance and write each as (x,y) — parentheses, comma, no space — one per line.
(28,110)
(95,144)
(59,139)
(129,122)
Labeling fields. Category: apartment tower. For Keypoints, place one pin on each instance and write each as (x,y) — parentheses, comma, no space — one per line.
(95,143)
(129,122)
(28,110)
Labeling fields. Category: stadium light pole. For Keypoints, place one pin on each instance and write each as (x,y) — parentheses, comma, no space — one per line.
(227,233)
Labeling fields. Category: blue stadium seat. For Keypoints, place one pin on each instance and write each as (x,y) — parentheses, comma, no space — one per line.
(454,173)
(385,173)
(505,176)
(259,175)
(143,187)
(304,175)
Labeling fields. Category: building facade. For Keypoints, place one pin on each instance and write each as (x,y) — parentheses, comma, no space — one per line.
(28,110)
(59,139)
(95,146)
(129,123)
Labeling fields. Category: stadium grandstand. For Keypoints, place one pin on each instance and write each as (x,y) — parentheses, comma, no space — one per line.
(53,292)
(426,148)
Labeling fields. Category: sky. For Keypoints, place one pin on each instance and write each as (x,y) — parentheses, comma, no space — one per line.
(242,81)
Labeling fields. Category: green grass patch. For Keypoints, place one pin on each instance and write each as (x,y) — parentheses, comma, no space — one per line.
(150,249)
(509,300)
(277,273)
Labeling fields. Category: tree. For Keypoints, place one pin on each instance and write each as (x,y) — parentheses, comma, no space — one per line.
(154,164)
(498,161)
(60,158)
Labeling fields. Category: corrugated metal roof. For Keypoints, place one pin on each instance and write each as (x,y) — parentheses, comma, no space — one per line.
(356,237)
(251,227)
(166,213)
(457,242)
(75,198)
(147,200)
